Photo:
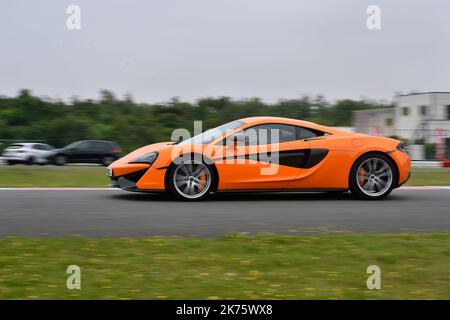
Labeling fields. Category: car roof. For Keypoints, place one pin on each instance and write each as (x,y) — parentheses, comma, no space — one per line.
(23,143)
(293,122)
(95,141)
(267,119)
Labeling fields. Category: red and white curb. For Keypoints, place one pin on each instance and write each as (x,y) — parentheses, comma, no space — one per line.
(430,164)
(425,187)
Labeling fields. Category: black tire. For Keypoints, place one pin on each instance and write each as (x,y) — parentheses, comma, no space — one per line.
(176,174)
(10,162)
(60,160)
(30,161)
(107,160)
(373,176)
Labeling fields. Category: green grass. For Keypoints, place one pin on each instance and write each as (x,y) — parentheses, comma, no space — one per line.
(413,266)
(430,177)
(50,177)
(96,177)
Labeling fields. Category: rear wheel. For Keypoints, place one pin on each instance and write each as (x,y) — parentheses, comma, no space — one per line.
(373,176)
(191,180)
(30,161)
(60,160)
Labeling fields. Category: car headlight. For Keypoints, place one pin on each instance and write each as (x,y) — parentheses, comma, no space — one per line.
(146,158)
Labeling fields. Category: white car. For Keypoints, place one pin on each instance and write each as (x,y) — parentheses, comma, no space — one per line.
(29,153)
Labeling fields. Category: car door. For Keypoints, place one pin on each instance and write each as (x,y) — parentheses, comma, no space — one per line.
(82,152)
(99,150)
(47,152)
(316,172)
(270,157)
(39,152)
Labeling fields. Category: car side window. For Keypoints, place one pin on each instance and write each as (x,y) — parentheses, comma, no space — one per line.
(272,133)
(251,136)
(305,133)
(39,146)
(84,145)
(107,146)
(268,134)
(46,147)
(103,146)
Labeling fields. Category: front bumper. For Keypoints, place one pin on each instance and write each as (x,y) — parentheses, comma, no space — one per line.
(128,181)
(402,183)
(403,162)
(132,176)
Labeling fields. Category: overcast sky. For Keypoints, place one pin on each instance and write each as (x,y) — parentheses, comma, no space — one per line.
(272,49)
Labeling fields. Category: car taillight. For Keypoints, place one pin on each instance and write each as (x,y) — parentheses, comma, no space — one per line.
(403,147)
(116,150)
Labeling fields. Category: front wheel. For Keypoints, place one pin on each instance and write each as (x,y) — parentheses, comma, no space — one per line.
(373,176)
(191,180)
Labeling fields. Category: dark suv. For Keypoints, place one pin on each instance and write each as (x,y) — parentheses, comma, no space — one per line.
(87,151)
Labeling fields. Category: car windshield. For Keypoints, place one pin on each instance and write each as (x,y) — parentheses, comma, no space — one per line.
(45,147)
(211,134)
(72,145)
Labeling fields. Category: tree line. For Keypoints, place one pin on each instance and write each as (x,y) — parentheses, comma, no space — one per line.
(131,124)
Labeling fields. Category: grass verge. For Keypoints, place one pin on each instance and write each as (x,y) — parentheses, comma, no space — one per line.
(51,177)
(413,266)
(430,177)
(96,177)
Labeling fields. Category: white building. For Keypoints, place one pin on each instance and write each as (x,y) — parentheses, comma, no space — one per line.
(414,117)
(423,116)
(376,122)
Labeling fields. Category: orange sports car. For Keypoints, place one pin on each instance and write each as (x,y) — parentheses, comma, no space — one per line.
(266,154)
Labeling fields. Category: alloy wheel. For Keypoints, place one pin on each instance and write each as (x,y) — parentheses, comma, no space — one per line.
(374,177)
(192,179)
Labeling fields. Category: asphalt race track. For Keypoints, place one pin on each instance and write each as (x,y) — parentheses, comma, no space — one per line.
(113,213)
